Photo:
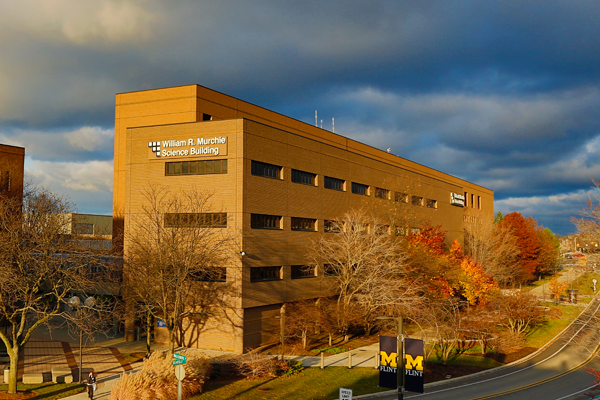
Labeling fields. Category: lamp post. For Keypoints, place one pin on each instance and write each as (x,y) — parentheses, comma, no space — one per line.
(400,353)
(75,302)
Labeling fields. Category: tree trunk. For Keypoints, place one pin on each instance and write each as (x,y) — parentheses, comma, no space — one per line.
(14,365)
(148,331)
(172,340)
(330,339)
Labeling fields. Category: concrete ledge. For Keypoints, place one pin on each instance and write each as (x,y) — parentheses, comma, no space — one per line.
(33,378)
(62,375)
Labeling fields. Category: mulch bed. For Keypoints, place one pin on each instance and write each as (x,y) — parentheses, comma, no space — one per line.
(21,394)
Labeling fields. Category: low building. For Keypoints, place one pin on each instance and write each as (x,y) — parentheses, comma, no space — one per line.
(278,182)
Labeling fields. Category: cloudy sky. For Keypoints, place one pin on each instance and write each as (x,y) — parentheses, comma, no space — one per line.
(502,93)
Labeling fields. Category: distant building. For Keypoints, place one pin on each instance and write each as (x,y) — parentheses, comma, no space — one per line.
(94,231)
(278,183)
(12,161)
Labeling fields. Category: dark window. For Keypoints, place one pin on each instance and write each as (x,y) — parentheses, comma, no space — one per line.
(359,188)
(305,178)
(359,227)
(258,274)
(303,224)
(266,170)
(333,183)
(263,221)
(202,167)
(431,203)
(382,229)
(381,193)
(330,270)
(195,220)
(206,117)
(400,231)
(83,229)
(417,201)
(333,226)
(303,271)
(213,274)
(401,197)
(5,181)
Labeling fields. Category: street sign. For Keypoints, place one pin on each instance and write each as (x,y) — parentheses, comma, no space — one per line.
(179,372)
(345,394)
(178,362)
(180,357)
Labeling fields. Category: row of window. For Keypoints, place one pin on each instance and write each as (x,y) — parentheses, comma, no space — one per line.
(475,201)
(264,221)
(192,220)
(307,178)
(259,274)
(197,167)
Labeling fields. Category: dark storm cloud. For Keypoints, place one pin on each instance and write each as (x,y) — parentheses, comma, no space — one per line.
(501,93)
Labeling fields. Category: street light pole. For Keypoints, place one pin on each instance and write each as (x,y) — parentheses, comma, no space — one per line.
(400,358)
(399,355)
(75,303)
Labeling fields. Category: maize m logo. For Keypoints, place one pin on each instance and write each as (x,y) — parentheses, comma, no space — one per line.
(388,362)
(414,366)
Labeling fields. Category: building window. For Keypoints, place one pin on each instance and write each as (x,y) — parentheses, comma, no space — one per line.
(258,274)
(5,182)
(415,231)
(431,203)
(417,201)
(303,271)
(359,227)
(304,224)
(466,199)
(401,197)
(359,188)
(213,274)
(381,193)
(266,170)
(400,231)
(382,229)
(263,221)
(472,201)
(206,117)
(195,220)
(330,270)
(83,229)
(333,226)
(334,183)
(305,178)
(203,167)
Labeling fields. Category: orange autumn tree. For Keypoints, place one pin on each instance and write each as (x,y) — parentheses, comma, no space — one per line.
(427,263)
(528,242)
(449,273)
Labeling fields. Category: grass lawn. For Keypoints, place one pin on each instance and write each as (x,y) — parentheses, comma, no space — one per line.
(312,383)
(47,391)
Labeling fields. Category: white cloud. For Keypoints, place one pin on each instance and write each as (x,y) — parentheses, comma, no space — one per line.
(83,143)
(80,21)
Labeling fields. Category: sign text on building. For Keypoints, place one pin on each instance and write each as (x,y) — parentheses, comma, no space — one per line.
(191,147)
(457,199)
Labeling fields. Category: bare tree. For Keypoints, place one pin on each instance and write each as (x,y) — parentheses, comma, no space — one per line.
(367,266)
(588,223)
(301,320)
(519,311)
(175,256)
(40,267)
(492,246)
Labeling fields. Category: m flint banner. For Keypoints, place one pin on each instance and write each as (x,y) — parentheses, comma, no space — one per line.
(413,369)
(388,362)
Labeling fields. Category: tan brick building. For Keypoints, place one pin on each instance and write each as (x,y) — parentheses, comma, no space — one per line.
(12,160)
(280,181)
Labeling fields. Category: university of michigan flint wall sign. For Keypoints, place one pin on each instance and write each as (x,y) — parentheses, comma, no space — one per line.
(190,147)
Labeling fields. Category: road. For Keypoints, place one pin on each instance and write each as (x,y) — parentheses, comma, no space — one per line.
(557,373)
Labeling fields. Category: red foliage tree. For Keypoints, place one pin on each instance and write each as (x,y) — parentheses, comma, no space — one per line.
(527,240)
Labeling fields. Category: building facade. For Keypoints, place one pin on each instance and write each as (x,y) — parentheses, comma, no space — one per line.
(12,161)
(278,182)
